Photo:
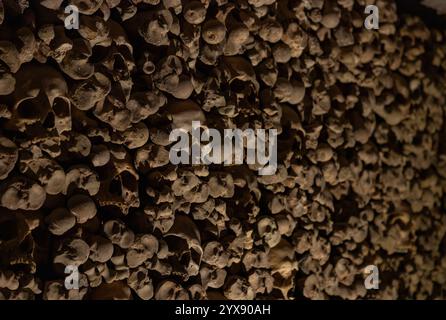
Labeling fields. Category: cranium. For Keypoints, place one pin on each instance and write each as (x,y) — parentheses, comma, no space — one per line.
(116,270)
(55,290)
(81,177)
(188,247)
(144,247)
(86,94)
(7,80)
(75,63)
(141,283)
(197,292)
(117,232)
(43,91)
(82,207)
(101,249)
(169,290)
(47,171)
(95,30)
(238,288)
(9,280)
(22,193)
(212,277)
(60,221)
(16,242)
(120,186)
(72,252)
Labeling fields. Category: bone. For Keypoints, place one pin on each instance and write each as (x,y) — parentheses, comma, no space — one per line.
(86,178)
(8,158)
(82,207)
(119,234)
(72,252)
(194,12)
(22,193)
(213,32)
(169,290)
(48,172)
(101,249)
(60,221)
(86,94)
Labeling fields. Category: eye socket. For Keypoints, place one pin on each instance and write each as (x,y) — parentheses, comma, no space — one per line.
(49,121)
(83,6)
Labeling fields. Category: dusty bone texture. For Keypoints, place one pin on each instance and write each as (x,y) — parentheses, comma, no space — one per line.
(85,177)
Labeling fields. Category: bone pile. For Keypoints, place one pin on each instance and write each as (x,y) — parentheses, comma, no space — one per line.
(85,176)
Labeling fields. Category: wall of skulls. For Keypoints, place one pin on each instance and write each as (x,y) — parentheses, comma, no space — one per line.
(85,177)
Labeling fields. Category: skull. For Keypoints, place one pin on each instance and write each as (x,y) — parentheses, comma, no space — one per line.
(120,186)
(22,193)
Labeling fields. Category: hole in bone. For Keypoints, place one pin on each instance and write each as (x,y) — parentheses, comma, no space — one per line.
(8,230)
(26,244)
(31,108)
(49,121)
(61,108)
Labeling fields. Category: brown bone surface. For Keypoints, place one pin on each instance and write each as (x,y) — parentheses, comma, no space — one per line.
(86,179)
